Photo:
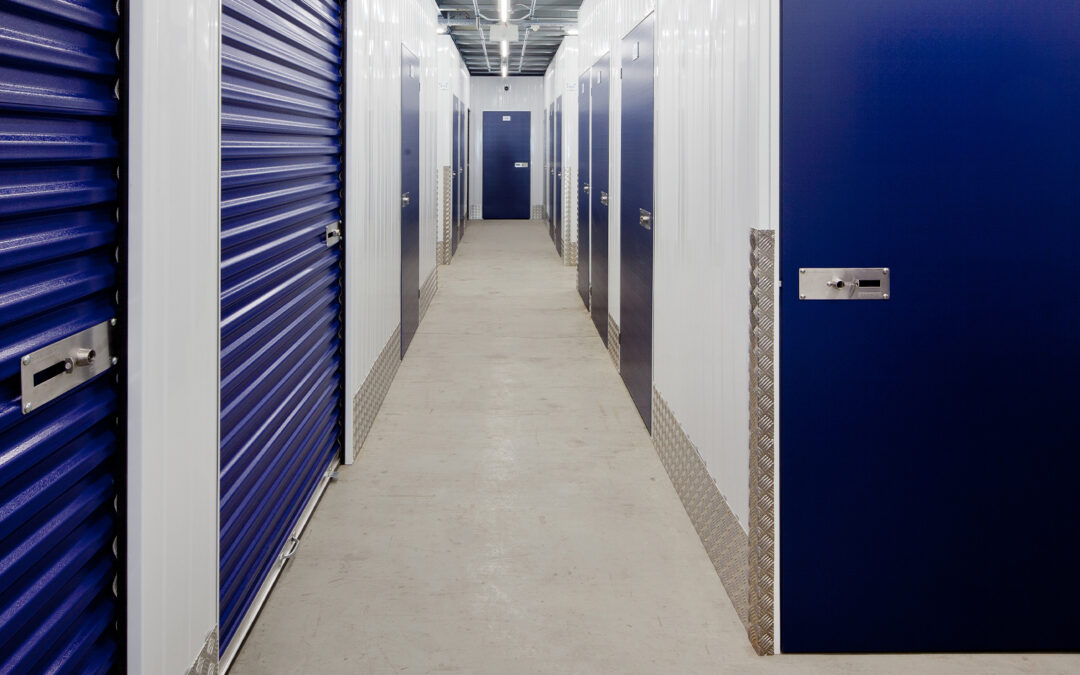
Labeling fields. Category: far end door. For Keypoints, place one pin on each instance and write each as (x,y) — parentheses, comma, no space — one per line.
(636,261)
(584,279)
(506,165)
(410,197)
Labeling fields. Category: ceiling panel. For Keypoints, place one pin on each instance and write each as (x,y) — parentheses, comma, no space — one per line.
(542,26)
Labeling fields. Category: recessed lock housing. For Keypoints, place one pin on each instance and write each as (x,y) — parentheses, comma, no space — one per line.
(844,283)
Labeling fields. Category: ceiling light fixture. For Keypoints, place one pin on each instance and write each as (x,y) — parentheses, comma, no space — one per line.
(504,48)
(504,10)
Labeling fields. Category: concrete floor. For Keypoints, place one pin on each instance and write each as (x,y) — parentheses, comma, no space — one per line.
(508,513)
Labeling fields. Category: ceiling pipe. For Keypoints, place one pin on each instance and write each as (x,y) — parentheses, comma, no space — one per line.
(521,63)
(526,23)
(476,8)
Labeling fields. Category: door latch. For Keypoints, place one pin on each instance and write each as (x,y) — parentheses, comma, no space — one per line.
(406,199)
(603,198)
(56,369)
(587,187)
(844,283)
(333,235)
(645,219)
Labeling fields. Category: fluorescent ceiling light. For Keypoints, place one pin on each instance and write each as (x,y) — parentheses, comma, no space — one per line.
(505,69)
(504,10)
(504,48)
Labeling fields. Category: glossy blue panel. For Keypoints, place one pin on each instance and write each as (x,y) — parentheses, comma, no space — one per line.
(410,183)
(506,144)
(281,287)
(455,218)
(558,175)
(929,443)
(550,177)
(601,157)
(59,464)
(636,264)
(584,207)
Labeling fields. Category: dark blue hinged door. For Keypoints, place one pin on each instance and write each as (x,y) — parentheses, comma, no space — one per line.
(506,164)
(281,281)
(636,207)
(550,178)
(558,175)
(598,193)
(60,428)
(455,162)
(584,148)
(410,197)
(462,150)
(931,162)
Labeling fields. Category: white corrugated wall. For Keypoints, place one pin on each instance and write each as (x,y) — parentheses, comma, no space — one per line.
(377,31)
(487,94)
(713,184)
(453,80)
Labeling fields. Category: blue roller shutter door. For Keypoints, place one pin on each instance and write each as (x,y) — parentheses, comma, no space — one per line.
(60,459)
(281,284)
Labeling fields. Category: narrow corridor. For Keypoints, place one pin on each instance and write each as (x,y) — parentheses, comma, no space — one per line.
(508,513)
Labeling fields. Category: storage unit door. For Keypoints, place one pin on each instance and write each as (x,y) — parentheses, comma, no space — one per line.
(60,437)
(636,208)
(281,281)
(551,171)
(558,176)
(583,188)
(930,162)
(410,197)
(506,164)
(601,95)
(455,220)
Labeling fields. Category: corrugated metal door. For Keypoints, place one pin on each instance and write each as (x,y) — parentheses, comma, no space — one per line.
(60,459)
(558,175)
(281,280)
(551,171)
(636,208)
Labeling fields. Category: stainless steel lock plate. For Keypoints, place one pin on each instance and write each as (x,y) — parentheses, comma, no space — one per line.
(333,235)
(406,199)
(603,198)
(645,219)
(844,283)
(56,369)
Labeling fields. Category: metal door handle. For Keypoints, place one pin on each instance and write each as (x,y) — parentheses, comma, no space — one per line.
(645,219)
(560,174)
(603,198)
(406,199)
(587,187)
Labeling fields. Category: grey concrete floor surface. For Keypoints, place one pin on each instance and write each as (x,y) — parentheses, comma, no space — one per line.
(508,513)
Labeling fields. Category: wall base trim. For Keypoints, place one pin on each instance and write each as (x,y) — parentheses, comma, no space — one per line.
(762,440)
(570,251)
(723,537)
(368,401)
(443,250)
(206,663)
(427,292)
(613,342)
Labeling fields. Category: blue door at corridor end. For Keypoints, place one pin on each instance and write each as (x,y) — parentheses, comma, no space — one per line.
(929,440)
(507,165)
(636,206)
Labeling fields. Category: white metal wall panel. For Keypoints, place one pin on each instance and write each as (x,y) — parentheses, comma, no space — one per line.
(453,80)
(565,70)
(526,93)
(173,305)
(376,31)
(603,23)
(712,187)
